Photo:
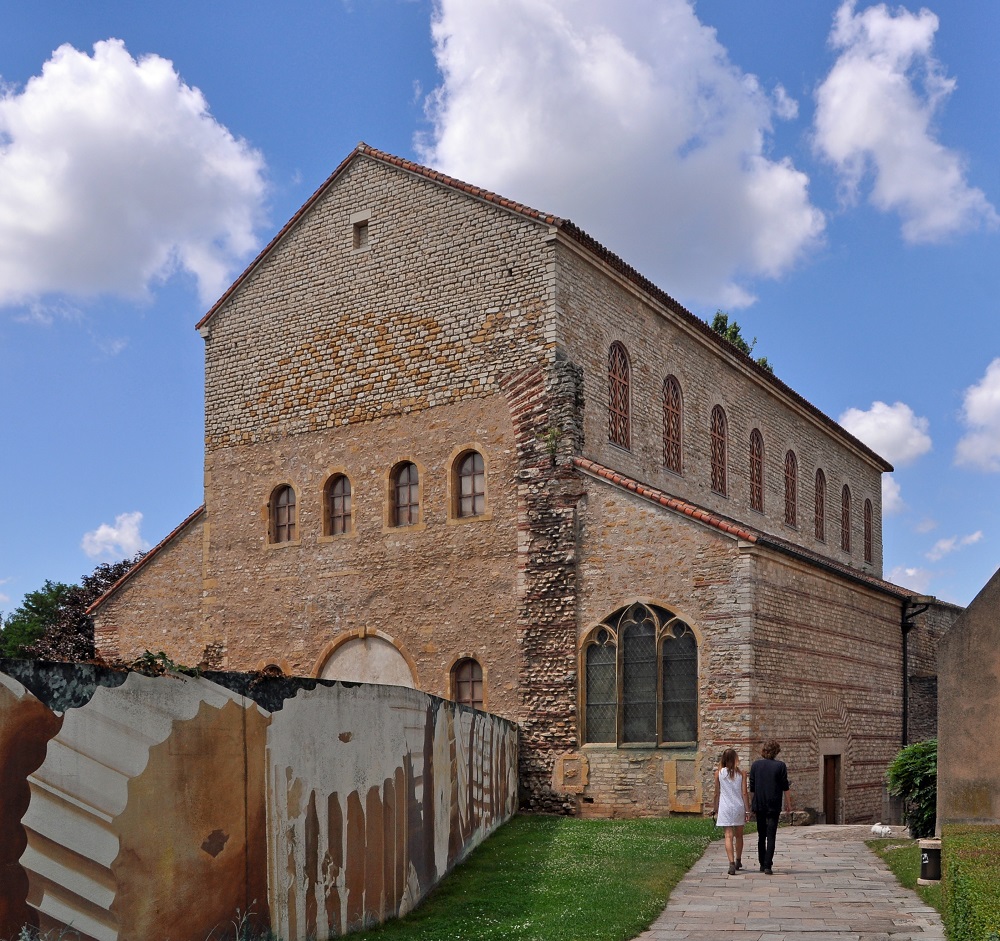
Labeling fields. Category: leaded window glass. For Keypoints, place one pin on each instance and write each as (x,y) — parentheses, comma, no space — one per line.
(672,425)
(680,685)
(719,443)
(639,676)
(602,689)
(756,471)
(619,430)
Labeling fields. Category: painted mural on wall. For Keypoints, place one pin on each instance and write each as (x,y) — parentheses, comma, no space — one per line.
(134,806)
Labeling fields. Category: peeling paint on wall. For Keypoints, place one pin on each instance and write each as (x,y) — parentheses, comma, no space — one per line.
(135,806)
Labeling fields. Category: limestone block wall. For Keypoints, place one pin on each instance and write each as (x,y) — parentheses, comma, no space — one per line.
(596,309)
(826,680)
(969,714)
(136,806)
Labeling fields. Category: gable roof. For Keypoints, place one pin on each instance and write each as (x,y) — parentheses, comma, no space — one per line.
(661,498)
(581,238)
(148,557)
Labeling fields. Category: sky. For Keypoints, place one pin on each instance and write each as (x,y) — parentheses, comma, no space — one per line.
(826,172)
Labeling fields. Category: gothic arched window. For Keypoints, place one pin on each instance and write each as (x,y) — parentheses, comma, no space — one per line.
(756,471)
(869,537)
(845,519)
(673,418)
(619,392)
(791,488)
(641,678)
(720,435)
(820,511)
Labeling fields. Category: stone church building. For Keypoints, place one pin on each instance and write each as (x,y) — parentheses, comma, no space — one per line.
(454,443)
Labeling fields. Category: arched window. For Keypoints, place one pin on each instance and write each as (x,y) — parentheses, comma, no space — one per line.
(719,444)
(470,485)
(869,550)
(337,499)
(791,488)
(405,495)
(845,519)
(467,683)
(820,512)
(282,515)
(673,415)
(619,382)
(756,471)
(641,674)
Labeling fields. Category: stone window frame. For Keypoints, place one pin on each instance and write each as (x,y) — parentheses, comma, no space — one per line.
(845,519)
(271,514)
(609,634)
(869,532)
(791,489)
(757,471)
(819,506)
(619,396)
(361,231)
(360,633)
(455,681)
(673,425)
(454,488)
(719,451)
(332,476)
(389,524)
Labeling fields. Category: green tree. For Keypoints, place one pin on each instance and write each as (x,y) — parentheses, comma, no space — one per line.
(28,622)
(913,777)
(722,325)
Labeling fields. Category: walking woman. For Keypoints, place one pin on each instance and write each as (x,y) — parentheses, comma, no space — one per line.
(731,808)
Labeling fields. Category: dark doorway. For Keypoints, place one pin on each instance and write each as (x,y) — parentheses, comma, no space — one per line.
(831,774)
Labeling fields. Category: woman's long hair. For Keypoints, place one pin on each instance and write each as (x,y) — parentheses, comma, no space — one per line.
(729,761)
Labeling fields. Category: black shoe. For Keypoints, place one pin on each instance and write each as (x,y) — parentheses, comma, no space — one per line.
(767,871)
(732,869)
(739,865)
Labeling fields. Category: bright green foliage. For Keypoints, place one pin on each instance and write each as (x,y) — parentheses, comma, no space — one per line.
(970,872)
(731,331)
(558,879)
(903,858)
(913,777)
(38,612)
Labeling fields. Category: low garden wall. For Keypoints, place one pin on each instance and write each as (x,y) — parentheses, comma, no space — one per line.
(136,806)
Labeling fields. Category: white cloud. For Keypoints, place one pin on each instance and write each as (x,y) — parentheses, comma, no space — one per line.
(892,431)
(113,174)
(979,447)
(945,547)
(874,119)
(118,541)
(630,119)
(892,501)
(916,579)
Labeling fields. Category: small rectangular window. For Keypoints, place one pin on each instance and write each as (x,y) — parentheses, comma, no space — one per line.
(361,234)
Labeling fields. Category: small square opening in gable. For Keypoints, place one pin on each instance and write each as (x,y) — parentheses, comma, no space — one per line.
(361,234)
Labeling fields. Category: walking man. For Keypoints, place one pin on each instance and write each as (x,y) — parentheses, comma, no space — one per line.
(768,791)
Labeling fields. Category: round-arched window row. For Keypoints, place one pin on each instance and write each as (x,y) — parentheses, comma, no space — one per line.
(468,485)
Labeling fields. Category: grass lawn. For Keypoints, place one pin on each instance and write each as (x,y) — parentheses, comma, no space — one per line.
(902,856)
(559,879)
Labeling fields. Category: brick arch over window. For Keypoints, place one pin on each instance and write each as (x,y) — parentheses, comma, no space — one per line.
(869,534)
(845,519)
(819,512)
(640,670)
(791,488)
(467,683)
(673,425)
(756,471)
(619,396)
(720,445)
(337,505)
(282,515)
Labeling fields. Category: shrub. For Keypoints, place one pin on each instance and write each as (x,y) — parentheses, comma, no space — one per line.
(970,857)
(912,776)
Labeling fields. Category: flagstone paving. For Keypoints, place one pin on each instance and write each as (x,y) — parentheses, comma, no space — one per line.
(827,886)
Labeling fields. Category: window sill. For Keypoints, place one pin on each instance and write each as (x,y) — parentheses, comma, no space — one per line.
(460,520)
(284,545)
(337,538)
(397,530)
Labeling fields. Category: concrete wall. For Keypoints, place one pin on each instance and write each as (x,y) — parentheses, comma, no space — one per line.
(136,806)
(968,783)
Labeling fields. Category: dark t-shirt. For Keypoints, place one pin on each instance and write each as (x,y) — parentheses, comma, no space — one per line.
(768,783)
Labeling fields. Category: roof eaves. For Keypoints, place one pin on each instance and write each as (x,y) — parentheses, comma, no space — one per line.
(162,544)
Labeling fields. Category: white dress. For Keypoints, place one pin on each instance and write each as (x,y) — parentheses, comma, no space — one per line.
(732,811)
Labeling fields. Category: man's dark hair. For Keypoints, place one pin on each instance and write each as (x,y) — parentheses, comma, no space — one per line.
(770,749)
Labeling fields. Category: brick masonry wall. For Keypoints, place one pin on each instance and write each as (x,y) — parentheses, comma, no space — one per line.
(596,310)
(159,607)
(922,647)
(826,679)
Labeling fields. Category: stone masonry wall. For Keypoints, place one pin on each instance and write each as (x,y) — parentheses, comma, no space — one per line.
(159,606)
(922,649)
(595,310)
(826,679)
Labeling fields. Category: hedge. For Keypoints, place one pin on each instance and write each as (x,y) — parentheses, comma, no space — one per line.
(970,879)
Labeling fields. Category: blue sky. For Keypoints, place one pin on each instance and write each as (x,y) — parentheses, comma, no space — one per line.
(827,172)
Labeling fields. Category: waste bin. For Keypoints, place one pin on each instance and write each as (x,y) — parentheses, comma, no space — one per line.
(930,862)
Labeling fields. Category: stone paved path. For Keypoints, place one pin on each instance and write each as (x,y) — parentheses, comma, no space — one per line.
(827,886)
